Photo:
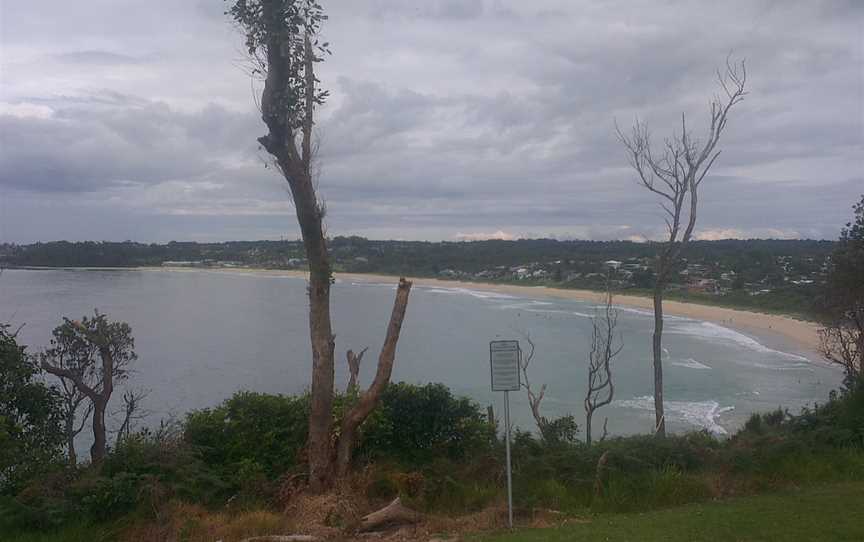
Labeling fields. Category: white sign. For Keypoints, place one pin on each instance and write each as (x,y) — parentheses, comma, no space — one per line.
(504,357)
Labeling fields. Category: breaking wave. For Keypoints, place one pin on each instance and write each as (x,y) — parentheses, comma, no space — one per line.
(703,414)
(712,331)
(690,363)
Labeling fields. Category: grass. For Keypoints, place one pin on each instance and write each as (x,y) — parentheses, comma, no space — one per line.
(820,513)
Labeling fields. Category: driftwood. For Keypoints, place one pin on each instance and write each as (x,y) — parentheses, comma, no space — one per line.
(282,538)
(394,513)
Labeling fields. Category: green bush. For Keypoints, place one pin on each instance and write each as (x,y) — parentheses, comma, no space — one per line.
(251,428)
(418,424)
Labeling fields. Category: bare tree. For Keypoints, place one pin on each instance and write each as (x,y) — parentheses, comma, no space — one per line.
(73,356)
(534,397)
(601,387)
(673,173)
(283,45)
(354,360)
(131,412)
(554,431)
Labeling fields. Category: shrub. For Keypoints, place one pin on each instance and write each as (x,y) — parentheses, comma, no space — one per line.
(267,431)
(418,424)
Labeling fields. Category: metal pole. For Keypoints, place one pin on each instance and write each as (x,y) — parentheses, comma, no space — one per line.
(509,479)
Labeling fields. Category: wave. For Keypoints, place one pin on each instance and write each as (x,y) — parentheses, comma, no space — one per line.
(708,330)
(703,414)
(644,312)
(481,294)
(690,363)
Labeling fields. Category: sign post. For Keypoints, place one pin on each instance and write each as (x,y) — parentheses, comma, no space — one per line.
(505,358)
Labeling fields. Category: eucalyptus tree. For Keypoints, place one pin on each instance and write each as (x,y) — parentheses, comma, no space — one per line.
(283,44)
(673,172)
(93,354)
(842,337)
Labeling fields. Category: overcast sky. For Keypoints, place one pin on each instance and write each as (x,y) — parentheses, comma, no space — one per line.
(449,119)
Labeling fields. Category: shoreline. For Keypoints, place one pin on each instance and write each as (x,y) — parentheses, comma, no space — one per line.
(799,333)
(802,334)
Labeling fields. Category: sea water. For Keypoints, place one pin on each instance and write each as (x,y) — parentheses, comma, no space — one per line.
(203,335)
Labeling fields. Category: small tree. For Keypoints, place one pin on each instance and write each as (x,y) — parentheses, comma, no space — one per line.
(553,431)
(31,432)
(601,388)
(94,355)
(842,337)
(674,173)
(283,46)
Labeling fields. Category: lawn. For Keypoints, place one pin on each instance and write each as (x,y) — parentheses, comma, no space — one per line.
(832,512)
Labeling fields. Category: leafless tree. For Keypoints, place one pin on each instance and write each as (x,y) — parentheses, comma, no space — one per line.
(131,412)
(73,356)
(354,360)
(283,45)
(674,173)
(535,397)
(604,347)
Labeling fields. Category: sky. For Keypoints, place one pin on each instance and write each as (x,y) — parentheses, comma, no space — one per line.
(448,119)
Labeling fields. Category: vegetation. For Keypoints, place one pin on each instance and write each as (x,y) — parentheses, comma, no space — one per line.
(30,416)
(436,451)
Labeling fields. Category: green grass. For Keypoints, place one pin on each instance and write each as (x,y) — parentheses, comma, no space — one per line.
(72,533)
(822,513)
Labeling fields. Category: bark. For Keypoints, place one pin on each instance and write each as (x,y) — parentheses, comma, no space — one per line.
(100,442)
(370,398)
(70,441)
(354,369)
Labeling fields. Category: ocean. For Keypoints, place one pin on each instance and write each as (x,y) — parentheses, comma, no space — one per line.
(203,335)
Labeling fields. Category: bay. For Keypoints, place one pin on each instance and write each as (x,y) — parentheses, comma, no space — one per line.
(203,335)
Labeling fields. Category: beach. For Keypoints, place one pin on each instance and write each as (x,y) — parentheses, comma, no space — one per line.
(801,333)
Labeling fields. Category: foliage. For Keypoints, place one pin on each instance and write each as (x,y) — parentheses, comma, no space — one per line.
(251,430)
(30,416)
(842,338)
(418,424)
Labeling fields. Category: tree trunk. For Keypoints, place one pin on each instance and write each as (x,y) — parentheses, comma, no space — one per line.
(660,419)
(70,439)
(321,411)
(98,449)
(588,416)
(370,398)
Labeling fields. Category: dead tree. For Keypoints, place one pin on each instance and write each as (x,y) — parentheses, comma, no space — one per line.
(131,412)
(283,45)
(73,356)
(601,387)
(673,173)
(354,369)
(534,397)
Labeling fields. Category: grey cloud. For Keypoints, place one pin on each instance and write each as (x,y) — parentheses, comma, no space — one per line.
(447,117)
(105,58)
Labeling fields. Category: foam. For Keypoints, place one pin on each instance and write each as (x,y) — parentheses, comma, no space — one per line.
(702,414)
(481,294)
(690,363)
(709,330)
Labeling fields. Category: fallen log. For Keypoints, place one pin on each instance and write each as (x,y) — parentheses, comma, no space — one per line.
(394,513)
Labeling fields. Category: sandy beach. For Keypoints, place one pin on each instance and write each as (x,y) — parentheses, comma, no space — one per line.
(798,332)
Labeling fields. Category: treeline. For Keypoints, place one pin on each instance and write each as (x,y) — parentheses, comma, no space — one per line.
(754,258)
